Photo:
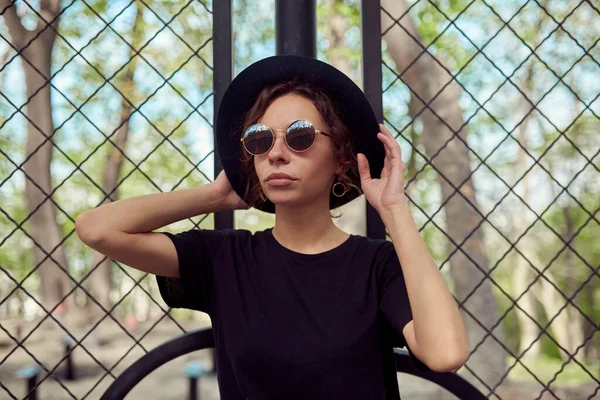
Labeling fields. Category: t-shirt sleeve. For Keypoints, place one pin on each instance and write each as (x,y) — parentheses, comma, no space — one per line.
(394,303)
(194,288)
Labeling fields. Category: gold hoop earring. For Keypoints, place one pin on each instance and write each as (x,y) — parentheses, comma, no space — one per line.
(344,189)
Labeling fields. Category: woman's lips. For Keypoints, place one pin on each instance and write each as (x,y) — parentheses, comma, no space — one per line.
(280,182)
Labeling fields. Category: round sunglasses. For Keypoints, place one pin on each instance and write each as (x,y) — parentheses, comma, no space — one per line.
(300,135)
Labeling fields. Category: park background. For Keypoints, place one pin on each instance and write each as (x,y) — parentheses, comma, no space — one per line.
(128,111)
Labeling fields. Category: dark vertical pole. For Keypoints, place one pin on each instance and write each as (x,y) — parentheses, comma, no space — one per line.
(70,369)
(222,76)
(31,387)
(296,27)
(193,389)
(371,42)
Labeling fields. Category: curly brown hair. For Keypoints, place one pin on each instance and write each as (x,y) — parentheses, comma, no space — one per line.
(340,135)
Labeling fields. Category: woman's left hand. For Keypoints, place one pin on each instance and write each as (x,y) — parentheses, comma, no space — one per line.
(388,191)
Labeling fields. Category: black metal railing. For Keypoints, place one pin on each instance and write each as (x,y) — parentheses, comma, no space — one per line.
(203,339)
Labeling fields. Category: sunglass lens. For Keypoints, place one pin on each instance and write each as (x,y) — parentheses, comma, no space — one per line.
(258,139)
(301,135)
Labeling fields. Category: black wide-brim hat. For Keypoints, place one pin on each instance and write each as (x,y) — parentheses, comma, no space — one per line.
(353,108)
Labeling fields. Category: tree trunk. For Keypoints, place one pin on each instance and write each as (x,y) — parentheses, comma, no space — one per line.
(575,320)
(521,279)
(426,78)
(568,324)
(591,350)
(42,226)
(552,302)
(335,34)
(523,273)
(101,277)
(4,310)
(3,57)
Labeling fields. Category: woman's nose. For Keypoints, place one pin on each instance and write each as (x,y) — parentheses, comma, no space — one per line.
(279,149)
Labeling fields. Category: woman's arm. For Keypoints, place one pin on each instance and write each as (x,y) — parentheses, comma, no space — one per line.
(122,230)
(437,334)
(152,211)
(148,212)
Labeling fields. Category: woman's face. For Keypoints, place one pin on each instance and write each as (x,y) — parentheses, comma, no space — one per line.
(312,171)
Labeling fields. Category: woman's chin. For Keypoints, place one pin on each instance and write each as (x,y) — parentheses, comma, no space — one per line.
(287,200)
(284,200)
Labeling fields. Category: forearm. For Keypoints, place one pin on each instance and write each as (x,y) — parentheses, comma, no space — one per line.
(152,211)
(433,308)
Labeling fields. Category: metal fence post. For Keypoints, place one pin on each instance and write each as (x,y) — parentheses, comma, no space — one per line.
(296,27)
(222,76)
(371,61)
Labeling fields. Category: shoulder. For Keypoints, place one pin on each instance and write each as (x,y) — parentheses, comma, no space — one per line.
(380,249)
(243,235)
(210,240)
(228,233)
(235,239)
(382,258)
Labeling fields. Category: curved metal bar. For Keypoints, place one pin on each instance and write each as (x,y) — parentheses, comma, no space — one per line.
(203,339)
(451,381)
(186,343)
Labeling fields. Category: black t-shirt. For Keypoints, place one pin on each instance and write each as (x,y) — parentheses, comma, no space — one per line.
(289,325)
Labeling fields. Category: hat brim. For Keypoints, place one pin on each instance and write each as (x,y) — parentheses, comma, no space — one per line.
(354,110)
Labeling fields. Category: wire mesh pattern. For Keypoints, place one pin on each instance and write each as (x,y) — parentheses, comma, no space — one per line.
(50,370)
(141,107)
(540,273)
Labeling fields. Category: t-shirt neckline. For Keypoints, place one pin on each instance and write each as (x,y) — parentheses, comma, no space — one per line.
(291,253)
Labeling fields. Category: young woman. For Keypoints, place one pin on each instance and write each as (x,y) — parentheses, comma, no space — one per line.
(302,310)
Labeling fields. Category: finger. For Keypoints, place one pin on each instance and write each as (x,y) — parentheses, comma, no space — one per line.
(386,131)
(386,166)
(393,149)
(363,168)
(383,128)
(383,138)
(386,144)
(387,163)
(386,160)
(386,148)
(390,135)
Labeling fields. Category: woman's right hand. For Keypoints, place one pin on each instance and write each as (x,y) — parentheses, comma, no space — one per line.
(230,197)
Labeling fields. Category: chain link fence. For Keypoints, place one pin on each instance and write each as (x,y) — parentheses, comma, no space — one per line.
(495,106)
(434,89)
